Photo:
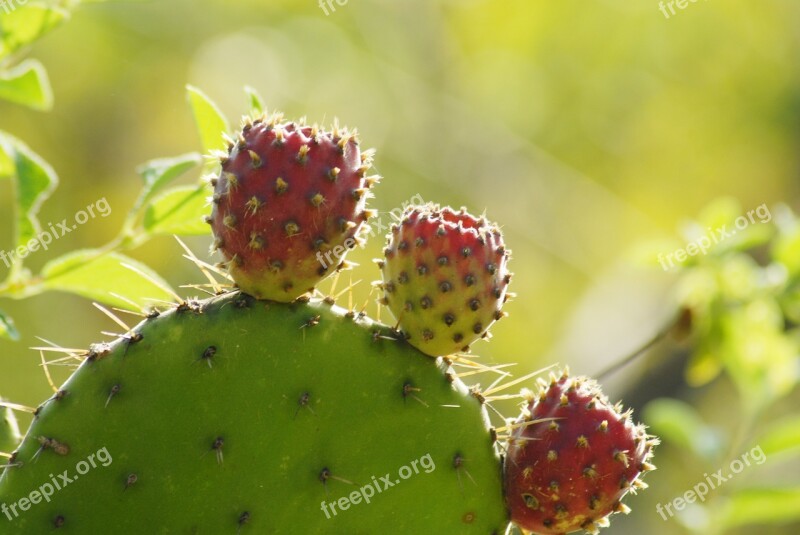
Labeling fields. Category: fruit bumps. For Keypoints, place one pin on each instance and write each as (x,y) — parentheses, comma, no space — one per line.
(287,205)
(445,277)
(572,458)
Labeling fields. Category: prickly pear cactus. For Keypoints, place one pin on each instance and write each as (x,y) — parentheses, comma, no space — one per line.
(240,414)
(235,415)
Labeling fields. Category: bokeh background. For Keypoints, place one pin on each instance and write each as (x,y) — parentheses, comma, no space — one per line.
(584,128)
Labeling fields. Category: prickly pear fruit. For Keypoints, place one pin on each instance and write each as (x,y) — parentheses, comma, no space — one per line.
(236,416)
(572,458)
(445,277)
(288,204)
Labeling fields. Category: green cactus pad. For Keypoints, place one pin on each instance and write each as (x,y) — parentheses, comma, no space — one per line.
(9,432)
(239,416)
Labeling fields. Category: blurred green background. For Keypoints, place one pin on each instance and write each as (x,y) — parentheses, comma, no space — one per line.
(584,128)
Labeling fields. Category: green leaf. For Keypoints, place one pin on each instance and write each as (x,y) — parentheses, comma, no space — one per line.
(23,24)
(786,250)
(719,213)
(679,423)
(256,102)
(158,173)
(9,430)
(7,328)
(754,235)
(92,274)
(723,227)
(179,210)
(35,181)
(27,84)
(211,124)
(773,506)
(757,352)
(782,437)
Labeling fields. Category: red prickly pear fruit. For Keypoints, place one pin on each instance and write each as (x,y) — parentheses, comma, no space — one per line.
(572,457)
(445,277)
(288,204)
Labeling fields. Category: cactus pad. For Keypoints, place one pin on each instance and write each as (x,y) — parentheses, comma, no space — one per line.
(233,415)
(9,431)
